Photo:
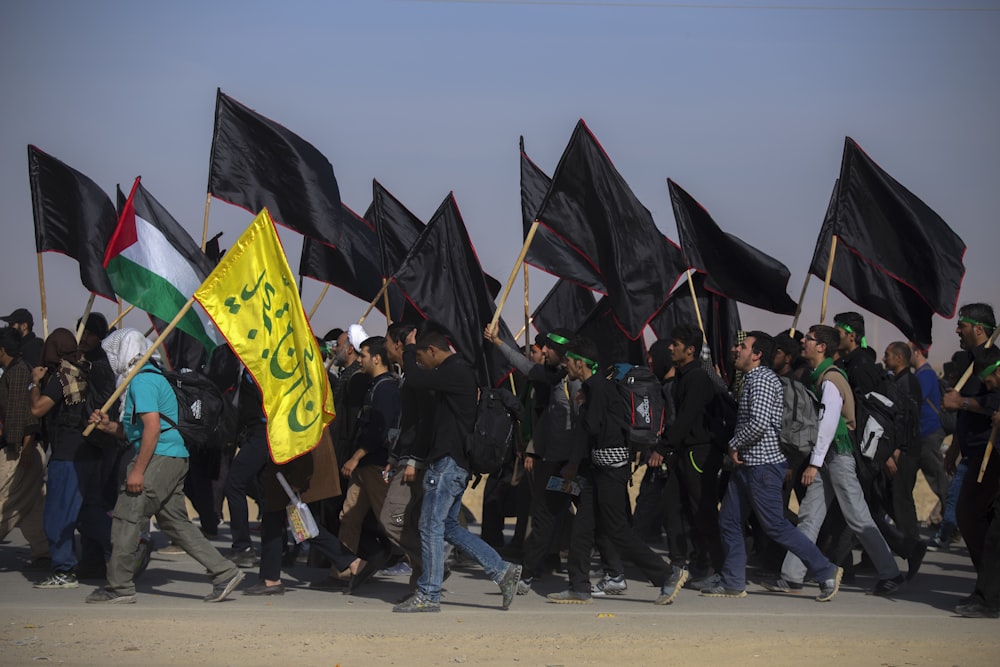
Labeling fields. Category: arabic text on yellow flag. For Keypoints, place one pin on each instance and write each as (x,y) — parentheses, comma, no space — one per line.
(252,298)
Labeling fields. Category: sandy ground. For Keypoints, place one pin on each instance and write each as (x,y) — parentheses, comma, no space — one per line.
(170,625)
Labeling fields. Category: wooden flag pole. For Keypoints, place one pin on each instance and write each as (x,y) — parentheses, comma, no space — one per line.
(322,295)
(204,227)
(986,456)
(121,315)
(142,362)
(519,332)
(513,273)
(697,309)
(86,314)
(798,307)
(371,305)
(41,289)
(385,300)
(826,281)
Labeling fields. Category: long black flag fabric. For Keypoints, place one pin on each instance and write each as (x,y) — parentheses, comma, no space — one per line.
(256,163)
(567,305)
(73,216)
(613,347)
(721,317)
(861,282)
(398,229)
(590,206)
(548,251)
(887,225)
(443,279)
(354,265)
(735,269)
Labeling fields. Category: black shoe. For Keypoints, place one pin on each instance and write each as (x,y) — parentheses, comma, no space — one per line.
(261,588)
(245,558)
(888,587)
(365,574)
(330,583)
(977,609)
(915,560)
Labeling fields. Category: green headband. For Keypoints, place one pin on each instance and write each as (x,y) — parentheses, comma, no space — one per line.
(590,362)
(848,329)
(975,323)
(557,339)
(989,370)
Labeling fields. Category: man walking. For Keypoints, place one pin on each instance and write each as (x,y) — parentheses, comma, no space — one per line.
(756,482)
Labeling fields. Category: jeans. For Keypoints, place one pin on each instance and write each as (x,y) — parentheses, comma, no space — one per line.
(444,485)
(948,518)
(838,478)
(74,501)
(759,488)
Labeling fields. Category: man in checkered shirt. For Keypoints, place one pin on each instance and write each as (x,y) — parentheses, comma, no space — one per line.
(756,481)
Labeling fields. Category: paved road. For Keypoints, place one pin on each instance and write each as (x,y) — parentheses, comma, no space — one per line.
(171,625)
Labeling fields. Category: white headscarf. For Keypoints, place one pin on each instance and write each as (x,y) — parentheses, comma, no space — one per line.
(124,348)
(356,335)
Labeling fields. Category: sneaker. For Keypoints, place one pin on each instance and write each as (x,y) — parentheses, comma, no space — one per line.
(417,603)
(524,586)
(106,595)
(400,569)
(829,588)
(221,591)
(609,585)
(509,583)
(570,597)
(243,558)
(672,586)
(701,583)
(59,580)
(977,609)
(887,587)
(722,592)
(915,560)
(780,585)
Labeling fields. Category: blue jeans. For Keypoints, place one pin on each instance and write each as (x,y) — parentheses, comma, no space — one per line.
(74,501)
(759,488)
(444,485)
(948,517)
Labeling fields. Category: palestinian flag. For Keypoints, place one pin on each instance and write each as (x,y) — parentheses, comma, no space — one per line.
(154,264)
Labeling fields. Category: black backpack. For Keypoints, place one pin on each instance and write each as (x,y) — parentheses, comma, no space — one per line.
(645,404)
(491,442)
(723,410)
(206,419)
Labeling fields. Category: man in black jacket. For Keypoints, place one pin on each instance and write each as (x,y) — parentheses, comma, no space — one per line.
(431,364)
(692,490)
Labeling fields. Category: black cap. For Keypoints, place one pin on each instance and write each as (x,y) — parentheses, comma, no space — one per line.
(97,324)
(18,316)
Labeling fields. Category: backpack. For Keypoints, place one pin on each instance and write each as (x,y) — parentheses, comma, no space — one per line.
(205,418)
(875,426)
(491,442)
(723,410)
(646,407)
(799,419)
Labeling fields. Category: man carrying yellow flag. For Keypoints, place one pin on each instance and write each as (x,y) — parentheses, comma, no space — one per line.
(252,298)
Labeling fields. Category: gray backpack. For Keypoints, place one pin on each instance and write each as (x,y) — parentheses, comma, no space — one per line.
(800,419)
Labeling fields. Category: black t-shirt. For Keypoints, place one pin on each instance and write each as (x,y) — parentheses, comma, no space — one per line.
(64,426)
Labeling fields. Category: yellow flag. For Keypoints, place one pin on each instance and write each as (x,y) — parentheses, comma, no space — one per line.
(252,298)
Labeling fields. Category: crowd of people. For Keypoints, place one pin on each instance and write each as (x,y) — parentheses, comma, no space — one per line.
(386,482)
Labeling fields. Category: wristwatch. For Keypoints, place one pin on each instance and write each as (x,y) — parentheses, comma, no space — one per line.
(965,404)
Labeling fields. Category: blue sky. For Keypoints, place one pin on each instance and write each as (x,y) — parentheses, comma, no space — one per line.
(746,109)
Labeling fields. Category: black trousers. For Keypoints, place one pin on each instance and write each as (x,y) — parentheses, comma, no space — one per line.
(243,479)
(272,539)
(604,508)
(692,493)
(988,579)
(976,506)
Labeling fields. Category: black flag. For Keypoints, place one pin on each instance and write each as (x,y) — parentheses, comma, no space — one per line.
(73,216)
(547,251)
(442,278)
(720,315)
(567,305)
(735,269)
(898,234)
(613,347)
(862,282)
(256,163)
(590,206)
